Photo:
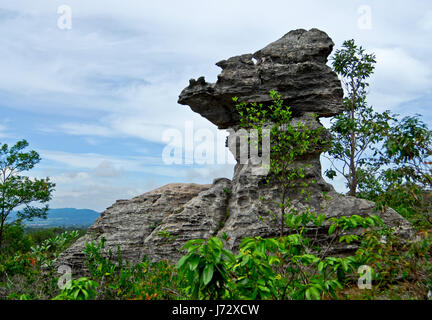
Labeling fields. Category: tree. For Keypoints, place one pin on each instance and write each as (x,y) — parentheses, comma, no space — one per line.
(384,158)
(407,149)
(358,129)
(18,191)
(400,174)
(289,141)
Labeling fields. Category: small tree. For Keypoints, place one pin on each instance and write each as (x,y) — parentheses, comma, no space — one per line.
(358,128)
(383,158)
(400,173)
(289,141)
(17,191)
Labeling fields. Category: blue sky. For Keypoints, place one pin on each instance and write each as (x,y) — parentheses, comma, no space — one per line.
(94,100)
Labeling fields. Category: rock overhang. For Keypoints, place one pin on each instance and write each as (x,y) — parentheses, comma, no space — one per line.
(295,66)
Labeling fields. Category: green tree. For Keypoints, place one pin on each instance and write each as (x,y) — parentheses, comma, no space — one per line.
(408,150)
(383,158)
(400,174)
(289,141)
(18,191)
(358,129)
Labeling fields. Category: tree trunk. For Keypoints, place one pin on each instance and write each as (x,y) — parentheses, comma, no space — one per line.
(353,171)
(1,233)
(354,182)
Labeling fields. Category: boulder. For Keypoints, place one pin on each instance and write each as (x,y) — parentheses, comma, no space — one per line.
(294,65)
(159,222)
(129,222)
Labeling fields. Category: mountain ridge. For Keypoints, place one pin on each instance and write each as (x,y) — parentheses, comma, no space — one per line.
(58,217)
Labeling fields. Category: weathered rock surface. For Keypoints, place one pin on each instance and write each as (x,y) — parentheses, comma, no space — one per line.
(250,217)
(201,218)
(295,66)
(128,222)
(158,223)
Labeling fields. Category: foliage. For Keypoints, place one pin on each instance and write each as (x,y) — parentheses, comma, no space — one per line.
(117,279)
(205,268)
(80,289)
(401,176)
(28,272)
(358,128)
(38,235)
(398,261)
(15,239)
(17,191)
(274,268)
(51,248)
(383,158)
(289,141)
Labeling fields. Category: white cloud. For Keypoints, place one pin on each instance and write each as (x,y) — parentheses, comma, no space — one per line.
(92,181)
(138,164)
(93,160)
(71,177)
(96,196)
(82,129)
(119,71)
(2,131)
(426,22)
(398,69)
(107,169)
(398,78)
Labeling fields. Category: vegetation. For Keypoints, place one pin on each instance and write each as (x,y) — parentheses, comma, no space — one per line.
(383,158)
(17,191)
(278,268)
(358,129)
(26,263)
(288,143)
(399,176)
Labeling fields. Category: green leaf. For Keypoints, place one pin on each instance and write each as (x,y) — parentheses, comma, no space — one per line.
(308,294)
(245,259)
(194,262)
(192,243)
(332,228)
(182,261)
(207,274)
(315,293)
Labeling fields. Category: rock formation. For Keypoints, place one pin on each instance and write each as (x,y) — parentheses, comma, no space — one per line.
(159,222)
(129,222)
(295,66)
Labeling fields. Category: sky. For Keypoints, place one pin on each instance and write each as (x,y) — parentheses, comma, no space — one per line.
(93,85)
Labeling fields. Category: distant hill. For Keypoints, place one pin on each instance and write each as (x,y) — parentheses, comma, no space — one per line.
(64,217)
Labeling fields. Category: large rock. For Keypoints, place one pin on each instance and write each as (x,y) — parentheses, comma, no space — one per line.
(128,222)
(158,223)
(295,66)
(201,218)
